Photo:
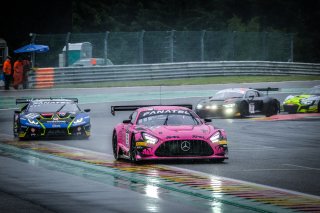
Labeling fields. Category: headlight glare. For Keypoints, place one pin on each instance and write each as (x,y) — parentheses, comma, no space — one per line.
(79,120)
(306,101)
(199,106)
(215,137)
(229,105)
(149,138)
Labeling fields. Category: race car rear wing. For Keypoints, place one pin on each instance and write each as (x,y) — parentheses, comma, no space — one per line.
(267,89)
(27,100)
(134,107)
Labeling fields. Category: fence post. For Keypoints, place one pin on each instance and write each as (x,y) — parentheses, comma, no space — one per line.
(67,49)
(291,56)
(202,44)
(264,48)
(141,38)
(33,38)
(106,47)
(171,45)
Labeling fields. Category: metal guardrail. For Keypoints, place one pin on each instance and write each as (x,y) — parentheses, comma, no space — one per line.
(75,75)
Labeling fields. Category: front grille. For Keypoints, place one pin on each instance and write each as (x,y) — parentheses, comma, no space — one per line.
(175,148)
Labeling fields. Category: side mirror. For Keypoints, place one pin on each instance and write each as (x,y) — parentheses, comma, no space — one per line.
(87,110)
(207,120)
(126,121)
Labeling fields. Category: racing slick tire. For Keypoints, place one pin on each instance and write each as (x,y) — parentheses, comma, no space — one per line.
(272,109)
(133,150)
(15,126)
(115,146)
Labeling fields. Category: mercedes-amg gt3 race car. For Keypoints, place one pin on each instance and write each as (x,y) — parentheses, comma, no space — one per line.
(308,101)
(50,117)
(238,102)
(167,132)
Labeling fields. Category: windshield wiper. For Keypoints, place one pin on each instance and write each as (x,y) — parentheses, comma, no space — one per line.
(61,108)
(166,121)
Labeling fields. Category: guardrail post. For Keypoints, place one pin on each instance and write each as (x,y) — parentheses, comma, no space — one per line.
(106,46)
(67,49)
(202,44)
(141,56)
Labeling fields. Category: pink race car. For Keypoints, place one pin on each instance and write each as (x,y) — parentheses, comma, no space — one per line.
(167,132)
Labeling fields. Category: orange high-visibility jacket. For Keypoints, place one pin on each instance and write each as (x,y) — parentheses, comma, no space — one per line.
(7,68)
(17,73)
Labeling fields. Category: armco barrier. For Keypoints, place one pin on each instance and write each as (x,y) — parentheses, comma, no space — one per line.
(43,78)
(49,77)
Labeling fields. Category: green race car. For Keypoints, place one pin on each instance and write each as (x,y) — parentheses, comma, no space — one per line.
(308,101)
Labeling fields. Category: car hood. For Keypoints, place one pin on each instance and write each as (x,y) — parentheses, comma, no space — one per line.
(218,101)
(181,132)
(296,99)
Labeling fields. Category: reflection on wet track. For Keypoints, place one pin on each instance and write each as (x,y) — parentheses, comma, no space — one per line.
(159,181)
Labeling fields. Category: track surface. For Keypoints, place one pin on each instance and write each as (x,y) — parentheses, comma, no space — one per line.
(277,153)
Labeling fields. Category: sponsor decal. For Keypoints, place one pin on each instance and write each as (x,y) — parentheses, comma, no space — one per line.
(170,137)
(197,136)
(163,112)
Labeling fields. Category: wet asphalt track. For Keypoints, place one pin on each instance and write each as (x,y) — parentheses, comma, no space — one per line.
(284,154)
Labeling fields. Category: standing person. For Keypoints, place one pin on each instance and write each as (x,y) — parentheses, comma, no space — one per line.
(26,68)
(17,74)
(7,71)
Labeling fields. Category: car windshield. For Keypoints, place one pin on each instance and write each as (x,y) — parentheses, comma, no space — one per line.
(224,94)
(51,106)
(313,91)
(171,119)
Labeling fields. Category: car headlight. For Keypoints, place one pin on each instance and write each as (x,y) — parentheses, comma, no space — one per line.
(79,120)
(149,138)
(306,101)
(215,137)
(35,122)
(229,105)
(199,106)
(214,107)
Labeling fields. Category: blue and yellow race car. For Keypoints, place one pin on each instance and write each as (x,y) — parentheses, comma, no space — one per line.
(308,101)
(50,117)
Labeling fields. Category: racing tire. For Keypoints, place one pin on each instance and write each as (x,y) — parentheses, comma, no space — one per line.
(15,127)
(272,110)
(243,109)
(115,146)
(133,150)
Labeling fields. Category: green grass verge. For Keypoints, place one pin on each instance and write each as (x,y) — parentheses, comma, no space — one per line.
(196,81)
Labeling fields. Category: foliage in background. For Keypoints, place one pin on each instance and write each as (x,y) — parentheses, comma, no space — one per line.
(299,17)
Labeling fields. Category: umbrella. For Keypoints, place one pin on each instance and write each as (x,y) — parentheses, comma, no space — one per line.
(36,48)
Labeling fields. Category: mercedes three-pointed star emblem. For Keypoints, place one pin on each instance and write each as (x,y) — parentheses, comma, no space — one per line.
(185,146)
